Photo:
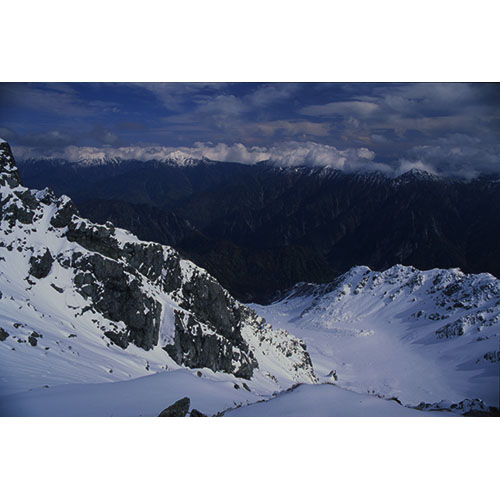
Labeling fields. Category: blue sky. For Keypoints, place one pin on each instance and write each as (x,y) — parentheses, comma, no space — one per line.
(420,122)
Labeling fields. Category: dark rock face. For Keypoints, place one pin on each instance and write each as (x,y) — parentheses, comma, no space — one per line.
(33,338)
(41,264)
(179,409)
(93,237)
(195,413)
(3,335)
(213,305)
(117,294)
(8,166)
(65,211)
(194,349)
(151,261)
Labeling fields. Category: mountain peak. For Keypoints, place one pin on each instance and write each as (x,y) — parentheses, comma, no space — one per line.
(416,174)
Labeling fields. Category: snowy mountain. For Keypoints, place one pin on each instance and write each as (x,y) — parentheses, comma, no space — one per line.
(402,333)
(82,303)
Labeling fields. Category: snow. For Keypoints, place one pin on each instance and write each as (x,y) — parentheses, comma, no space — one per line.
(144,396)
(367,328)
(326,400)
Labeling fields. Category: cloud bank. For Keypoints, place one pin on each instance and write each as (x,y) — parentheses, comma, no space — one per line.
(444,158)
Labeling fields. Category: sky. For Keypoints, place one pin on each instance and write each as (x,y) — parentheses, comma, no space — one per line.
(443,128)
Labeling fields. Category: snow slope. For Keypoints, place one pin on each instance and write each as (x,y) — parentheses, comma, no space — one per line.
(144,396)
(325,400)
(415,335)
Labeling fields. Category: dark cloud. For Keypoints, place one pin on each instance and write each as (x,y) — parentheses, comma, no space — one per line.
(50,139)
(105,136)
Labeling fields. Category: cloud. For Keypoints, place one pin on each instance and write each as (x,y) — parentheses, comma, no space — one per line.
(459,156)
(104,136)
(8,134)
(53,98)
(366,154)
(456,156)
(270,94)
(49,139)
(287,154)
(290,128)
(175,96)
(356,108)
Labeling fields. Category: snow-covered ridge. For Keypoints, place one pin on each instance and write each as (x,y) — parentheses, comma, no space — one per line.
(415,335)
(88,303)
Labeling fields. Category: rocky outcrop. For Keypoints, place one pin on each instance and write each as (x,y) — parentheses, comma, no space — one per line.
(41,264)
(193,348)
(3,335)
(179,409)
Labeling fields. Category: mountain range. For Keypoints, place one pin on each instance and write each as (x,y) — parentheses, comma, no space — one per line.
(261,228)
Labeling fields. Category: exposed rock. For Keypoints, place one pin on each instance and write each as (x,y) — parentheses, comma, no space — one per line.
(94,237)
(41,264)
(195,348)
(196,413)
(179,409)
(65,211)
(467,408)
(8,166)
(33,338)
(3,334)
(118,295)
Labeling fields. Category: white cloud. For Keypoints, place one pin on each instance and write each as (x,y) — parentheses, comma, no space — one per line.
(366,153)
(286,154)
(454,157)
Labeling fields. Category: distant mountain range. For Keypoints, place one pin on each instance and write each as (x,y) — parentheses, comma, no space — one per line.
(261,228)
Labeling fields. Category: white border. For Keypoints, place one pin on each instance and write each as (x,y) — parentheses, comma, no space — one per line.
(263,40)
(218,40)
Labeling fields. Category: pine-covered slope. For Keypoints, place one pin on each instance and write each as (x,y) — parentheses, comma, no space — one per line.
(87,303)
(415,335)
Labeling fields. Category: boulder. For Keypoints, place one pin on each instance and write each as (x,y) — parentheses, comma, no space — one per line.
(179,409)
